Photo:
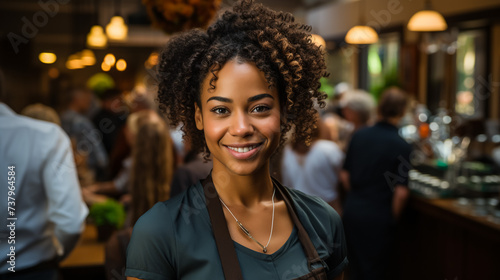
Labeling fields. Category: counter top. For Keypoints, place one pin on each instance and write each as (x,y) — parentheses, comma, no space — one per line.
(460,215)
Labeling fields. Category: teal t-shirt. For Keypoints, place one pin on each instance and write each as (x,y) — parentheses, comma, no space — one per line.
(174,240)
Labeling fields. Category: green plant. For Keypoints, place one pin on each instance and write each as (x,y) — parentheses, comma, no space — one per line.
(109,213)
(326,87)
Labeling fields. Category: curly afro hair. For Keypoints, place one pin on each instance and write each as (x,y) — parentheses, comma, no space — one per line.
(252,33)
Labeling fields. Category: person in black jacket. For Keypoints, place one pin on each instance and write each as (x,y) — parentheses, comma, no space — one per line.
(376,177)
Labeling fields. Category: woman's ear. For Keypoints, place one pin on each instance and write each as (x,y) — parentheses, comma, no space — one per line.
(198,117)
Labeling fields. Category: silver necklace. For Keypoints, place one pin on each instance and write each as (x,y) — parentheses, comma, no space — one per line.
(264,248)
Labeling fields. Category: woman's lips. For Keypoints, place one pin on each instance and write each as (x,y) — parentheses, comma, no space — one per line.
(243,151)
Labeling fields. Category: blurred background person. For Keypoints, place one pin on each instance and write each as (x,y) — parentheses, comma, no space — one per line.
(338,128)
(41,112)
(45,113)
(88,140)
(111,117)
(350,110)
(153,164)
(376,177)
(48,205)
(193,169)
(119,187)
(358,107)
(313,169)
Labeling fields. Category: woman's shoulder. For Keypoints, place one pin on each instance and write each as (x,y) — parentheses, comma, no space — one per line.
(315,209)
(164,214)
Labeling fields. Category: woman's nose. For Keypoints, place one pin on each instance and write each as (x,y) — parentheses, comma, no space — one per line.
(241,125)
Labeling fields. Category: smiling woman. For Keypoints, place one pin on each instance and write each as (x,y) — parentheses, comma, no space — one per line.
(237,89)
(241,130)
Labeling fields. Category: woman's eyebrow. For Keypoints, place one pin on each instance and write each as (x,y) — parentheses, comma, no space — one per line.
(259,96)
(221,99)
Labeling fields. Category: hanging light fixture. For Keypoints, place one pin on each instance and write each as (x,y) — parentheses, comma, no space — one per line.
(87,57)
(427,20)
(96,37)
(47,57)
(318,41)
(116,28)
(74,62)
(361,34)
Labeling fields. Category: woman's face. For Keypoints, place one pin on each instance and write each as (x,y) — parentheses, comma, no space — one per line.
(240,118)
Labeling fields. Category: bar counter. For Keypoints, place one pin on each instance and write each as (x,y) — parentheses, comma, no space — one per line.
(439,239)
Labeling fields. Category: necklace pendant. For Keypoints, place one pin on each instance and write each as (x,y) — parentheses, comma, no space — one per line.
(264,249)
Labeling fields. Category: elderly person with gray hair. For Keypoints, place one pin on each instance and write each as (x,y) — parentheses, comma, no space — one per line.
(358,107)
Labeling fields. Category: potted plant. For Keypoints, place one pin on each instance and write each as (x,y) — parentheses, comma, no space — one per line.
(107,216)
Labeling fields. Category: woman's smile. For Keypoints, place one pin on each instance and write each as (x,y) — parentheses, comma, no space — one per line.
(243,151)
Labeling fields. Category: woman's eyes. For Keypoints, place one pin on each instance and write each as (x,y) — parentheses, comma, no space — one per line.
(256,109)
(261,109)
(220,111)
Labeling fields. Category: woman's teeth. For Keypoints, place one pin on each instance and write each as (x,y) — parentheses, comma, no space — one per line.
(243,150)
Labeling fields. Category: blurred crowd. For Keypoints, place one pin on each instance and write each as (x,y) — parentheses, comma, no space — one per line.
(122,148)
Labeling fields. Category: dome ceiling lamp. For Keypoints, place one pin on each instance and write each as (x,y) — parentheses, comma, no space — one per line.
(427,20)
(361,34)
(96,38)
(116,29)
(318,41)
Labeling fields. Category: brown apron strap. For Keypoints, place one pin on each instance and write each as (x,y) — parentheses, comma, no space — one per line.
(225,246)
(309,249)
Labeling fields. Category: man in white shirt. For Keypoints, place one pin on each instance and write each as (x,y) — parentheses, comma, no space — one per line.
(41,207)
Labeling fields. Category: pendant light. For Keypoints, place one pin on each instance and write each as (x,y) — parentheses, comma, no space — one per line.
(361,34)
(96,37)
(116,28)
(47,57)
(87,57)
(318,41)
(427,20)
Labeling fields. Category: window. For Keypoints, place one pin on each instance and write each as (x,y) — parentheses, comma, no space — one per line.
(471,80)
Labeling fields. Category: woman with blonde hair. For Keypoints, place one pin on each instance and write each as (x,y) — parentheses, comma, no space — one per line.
(153,163)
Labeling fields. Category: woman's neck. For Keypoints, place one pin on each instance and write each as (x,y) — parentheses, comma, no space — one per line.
(246,190)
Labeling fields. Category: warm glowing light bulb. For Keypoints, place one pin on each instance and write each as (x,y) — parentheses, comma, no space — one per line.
(427,20)
(152,60)
(74,62)
(105,67)
(121,65)
(318,40)
(117,29)
(47,58)
(110,59)
(96,37)
(87,57)
(361,34)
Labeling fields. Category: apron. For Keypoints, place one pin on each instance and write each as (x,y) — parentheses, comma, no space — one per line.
(225,246)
